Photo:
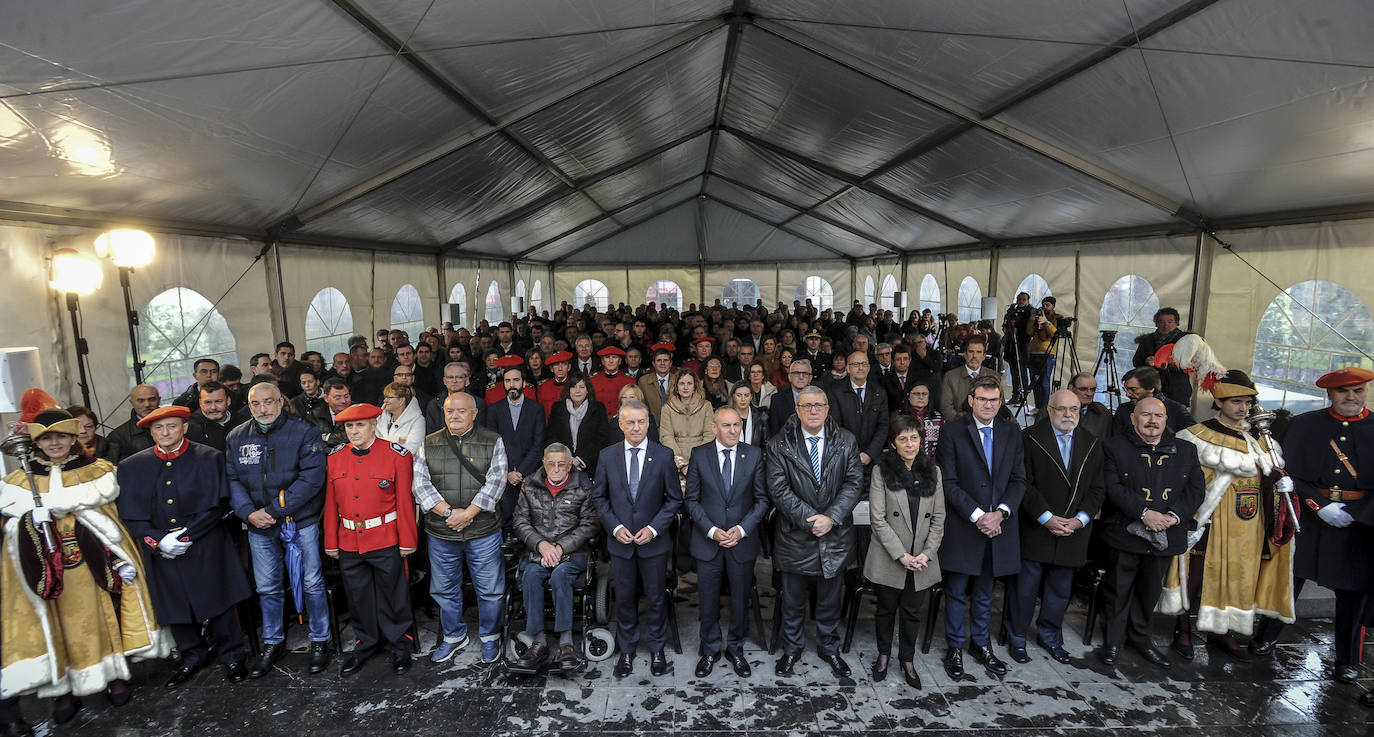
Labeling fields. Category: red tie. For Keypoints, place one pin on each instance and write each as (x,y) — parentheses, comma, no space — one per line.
(902,379)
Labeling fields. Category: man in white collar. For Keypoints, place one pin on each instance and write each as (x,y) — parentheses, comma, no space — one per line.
(954,388)
(637,495)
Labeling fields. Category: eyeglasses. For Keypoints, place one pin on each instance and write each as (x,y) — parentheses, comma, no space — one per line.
(799,372)
(859,364)
(1065,409)
(987,400)
(812,406)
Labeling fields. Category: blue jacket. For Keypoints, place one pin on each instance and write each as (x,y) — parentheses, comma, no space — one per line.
(289,456)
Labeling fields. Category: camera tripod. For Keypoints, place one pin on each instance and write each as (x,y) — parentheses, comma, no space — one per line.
(1106,358)
(1062,368)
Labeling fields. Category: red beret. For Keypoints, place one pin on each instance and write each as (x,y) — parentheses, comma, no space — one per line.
(665,346)
(162,413)
(356,412)
(509,361)
(1345,376)
(559,357)
(704,339)
(611,350)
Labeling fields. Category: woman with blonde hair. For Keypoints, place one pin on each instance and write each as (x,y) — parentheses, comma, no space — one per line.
(685,421)
(401,422)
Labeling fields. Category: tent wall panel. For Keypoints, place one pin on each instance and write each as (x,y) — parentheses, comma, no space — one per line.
(395,270)
(686,278)
(977,264)
(469,272)
(34,313)
(1054,263)
(305,271)
(916,269)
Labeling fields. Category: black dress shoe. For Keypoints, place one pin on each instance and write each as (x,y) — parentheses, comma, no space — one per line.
(1109,653)
(837,665)
(64,709)
(954,663)
(785,664)
(625,665)
(1058,653)
(568,662)
(1183,645)
(984,655)
(880,668)
(271,653)
(912,678)
(16,728)
(706,664)
(738,662)
(235,672)
(1261,647)
(354,662)
(531,660)
(1346,673)
(658,663)
(400,660)
(1228,645)
(1152,655)
(119,692)
(1018,653)
(319,656)
(182,677)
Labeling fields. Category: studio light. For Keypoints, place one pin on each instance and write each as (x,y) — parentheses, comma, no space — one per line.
(126,247)
(75,273)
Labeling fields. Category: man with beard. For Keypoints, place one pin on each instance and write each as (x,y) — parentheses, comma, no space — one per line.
(519,420)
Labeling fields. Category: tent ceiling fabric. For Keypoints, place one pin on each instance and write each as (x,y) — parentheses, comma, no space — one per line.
(581,130)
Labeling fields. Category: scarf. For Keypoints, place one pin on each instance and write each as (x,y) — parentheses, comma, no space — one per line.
(576,415)
(919,480)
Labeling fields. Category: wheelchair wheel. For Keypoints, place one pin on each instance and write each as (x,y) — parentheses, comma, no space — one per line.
(516,646)
(601,601)
(598,644)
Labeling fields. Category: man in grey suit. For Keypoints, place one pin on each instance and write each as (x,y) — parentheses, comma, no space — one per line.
(954,388)
(725,499)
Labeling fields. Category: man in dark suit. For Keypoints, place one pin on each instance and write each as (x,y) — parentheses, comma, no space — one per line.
(1064,491)
(212,420)
(519,420)
(637,494)
(984,472)
(784,403)
(897,382)
(860,406)
(1154,486)
(1141,383)
(726,499)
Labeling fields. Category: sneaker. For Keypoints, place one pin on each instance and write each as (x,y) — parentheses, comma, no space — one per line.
(491,651)
(445,650)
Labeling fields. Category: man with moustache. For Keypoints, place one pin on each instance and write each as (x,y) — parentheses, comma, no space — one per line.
(211,422)
(520,422)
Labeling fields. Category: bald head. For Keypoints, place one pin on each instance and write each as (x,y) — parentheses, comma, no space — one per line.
(857,367)
(1148,419)
(727,427)
(265,402)
(144,398)
(460,412)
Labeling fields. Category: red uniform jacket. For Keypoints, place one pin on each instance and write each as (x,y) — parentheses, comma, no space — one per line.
(608,389)
(363,487)
(550,392)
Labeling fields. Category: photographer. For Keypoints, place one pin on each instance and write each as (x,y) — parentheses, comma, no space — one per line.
(1042,328)
(1016,325)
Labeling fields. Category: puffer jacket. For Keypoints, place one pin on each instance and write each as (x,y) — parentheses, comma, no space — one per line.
(684,427)
(795,495)
(569,519)
(289,456)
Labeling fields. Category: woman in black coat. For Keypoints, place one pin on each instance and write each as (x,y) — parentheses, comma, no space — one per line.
(579,422)
(754,419)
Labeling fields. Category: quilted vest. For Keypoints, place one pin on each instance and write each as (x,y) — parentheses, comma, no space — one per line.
(456,485)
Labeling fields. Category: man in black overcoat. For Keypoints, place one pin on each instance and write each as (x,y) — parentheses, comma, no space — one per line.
(172,498)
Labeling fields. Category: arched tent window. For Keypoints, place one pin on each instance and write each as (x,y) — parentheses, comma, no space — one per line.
(666,293)
(407,313)
(740,292)
(869,293)
(1129,309)
(520,297)
(1293,348)
(970,300)
(177,327)
(817,290)
(593,292)
(1037,287)
(328,323)
(537,296)
(495,313)
(458,298)
(887,294)
(930,294)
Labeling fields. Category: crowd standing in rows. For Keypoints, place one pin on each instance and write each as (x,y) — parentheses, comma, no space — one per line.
(586,436)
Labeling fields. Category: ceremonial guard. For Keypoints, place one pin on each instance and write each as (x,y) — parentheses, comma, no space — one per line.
(369,526)
(1239,562)
(608,382)
(1330,457)
(172,498)
(65,632)
(550,391)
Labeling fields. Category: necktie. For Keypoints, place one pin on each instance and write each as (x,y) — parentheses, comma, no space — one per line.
(663,388)
(816,458)
(634,473)
(987,445)
(861,399)
(726,471)
(902,380)
(1065,451)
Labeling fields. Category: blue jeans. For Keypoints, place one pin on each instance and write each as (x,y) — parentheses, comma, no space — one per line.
(269,573)
(560,578)
(1042,375)
(483,559)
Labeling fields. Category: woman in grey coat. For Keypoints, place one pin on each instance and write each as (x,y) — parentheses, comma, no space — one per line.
(907,509)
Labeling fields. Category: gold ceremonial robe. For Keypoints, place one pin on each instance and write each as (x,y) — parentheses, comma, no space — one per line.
(80,641)
(1244,574)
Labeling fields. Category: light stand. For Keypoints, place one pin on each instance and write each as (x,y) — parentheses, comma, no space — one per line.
(1106,358)
(128,249)
(131,316)
(82,349)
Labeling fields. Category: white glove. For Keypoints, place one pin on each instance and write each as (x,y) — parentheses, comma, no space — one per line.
(1284,485)
(127,573)
(1334,514)
(1194,536)
(41,515)
(170,546)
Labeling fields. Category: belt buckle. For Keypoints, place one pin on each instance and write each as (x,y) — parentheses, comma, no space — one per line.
(1334,495)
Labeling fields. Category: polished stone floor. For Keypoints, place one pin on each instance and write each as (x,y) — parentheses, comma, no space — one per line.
(1287,694)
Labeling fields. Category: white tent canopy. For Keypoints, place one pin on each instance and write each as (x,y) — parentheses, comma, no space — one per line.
(364,145)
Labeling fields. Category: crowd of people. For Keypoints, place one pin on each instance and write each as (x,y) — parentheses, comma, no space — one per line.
(587,435)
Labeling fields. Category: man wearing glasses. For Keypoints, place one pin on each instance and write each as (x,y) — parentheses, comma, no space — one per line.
(1093,416)
(784,403)
(860,407)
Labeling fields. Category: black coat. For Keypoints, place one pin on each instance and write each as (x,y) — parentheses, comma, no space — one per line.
(593,434)
(780,407)
(128,439)
(1166,478)
(796,495)
(207,579)
(1173,381)
(1177,417)
(1062,492)
(213,434)
(524,442)
(1336,557)
(969,486)
(868,421)
(434,412)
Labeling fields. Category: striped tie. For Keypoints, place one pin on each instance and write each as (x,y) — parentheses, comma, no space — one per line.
(816,458)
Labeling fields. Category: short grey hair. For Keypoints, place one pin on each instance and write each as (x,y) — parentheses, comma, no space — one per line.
(801,362)
(632,404)
(812,389)
(555,448)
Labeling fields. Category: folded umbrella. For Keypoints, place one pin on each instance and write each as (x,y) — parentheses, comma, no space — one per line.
(293,557)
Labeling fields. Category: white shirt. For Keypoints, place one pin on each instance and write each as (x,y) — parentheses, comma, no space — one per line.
(643,459)
(734,466)
(820,447)
(978,425)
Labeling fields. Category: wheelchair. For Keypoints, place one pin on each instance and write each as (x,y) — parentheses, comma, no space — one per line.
(591,609)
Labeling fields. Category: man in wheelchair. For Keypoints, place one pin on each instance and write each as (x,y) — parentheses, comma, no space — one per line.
(556,519)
